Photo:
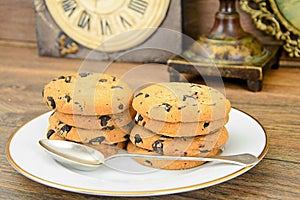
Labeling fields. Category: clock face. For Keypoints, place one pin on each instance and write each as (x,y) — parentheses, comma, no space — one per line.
(108,25)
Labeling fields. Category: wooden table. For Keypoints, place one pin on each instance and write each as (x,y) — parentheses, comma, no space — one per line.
(23,74)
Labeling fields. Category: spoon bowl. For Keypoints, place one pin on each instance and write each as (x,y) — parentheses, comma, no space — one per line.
(81,157)
(73,155)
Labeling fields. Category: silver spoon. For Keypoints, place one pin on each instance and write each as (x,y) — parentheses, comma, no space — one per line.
(81,157)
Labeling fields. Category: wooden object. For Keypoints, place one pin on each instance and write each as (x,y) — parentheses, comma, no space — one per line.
(24,73)
(252,74)
(235,52)
(112,30)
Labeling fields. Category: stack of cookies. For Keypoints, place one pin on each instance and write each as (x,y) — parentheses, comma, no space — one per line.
(178,119)
(89,108)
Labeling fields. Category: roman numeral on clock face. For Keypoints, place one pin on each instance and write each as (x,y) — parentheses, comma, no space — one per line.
(69,6)
(105,27)
(125,23)
(84,20)
(139,6)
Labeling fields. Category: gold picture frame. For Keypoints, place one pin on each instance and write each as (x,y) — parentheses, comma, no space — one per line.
(278,18)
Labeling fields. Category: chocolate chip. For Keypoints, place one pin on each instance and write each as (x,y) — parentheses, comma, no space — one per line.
(127,136)
(108,128)
(68,79)
(193,85)
(66,128)
(140,118)
(117,86)
(103,80)
(201,145)
(147,95)
(137,139)
(158,146)
(179,108)
(148,162)
(144,123)
(84,74)
(49,133)
(206,124)
(61,77)
(52,102)
(121,106)
(114,78)
(97,140)
(205,151)
(104,119)
(138,94)
(194,96)
(167,106)
(79,106)
(68,98)
(165,136)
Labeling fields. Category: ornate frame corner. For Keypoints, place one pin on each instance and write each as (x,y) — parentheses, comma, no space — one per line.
(267,17)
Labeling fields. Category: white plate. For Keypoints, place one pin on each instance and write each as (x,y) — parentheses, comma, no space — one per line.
(246,135)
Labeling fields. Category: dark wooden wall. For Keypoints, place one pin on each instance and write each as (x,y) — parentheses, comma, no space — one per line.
(17,24)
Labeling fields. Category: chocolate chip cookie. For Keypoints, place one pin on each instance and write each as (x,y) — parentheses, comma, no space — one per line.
(88,94)
(181,102)
(164,164)
(106,149)
(103,122)
(97,136)
(180,129)
(179,146)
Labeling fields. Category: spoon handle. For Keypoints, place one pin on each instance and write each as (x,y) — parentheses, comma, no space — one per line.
(245,159)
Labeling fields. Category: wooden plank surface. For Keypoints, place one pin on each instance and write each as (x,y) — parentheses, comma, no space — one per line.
(277,107)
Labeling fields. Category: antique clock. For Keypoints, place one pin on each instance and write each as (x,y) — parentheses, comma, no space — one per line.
(73,28)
